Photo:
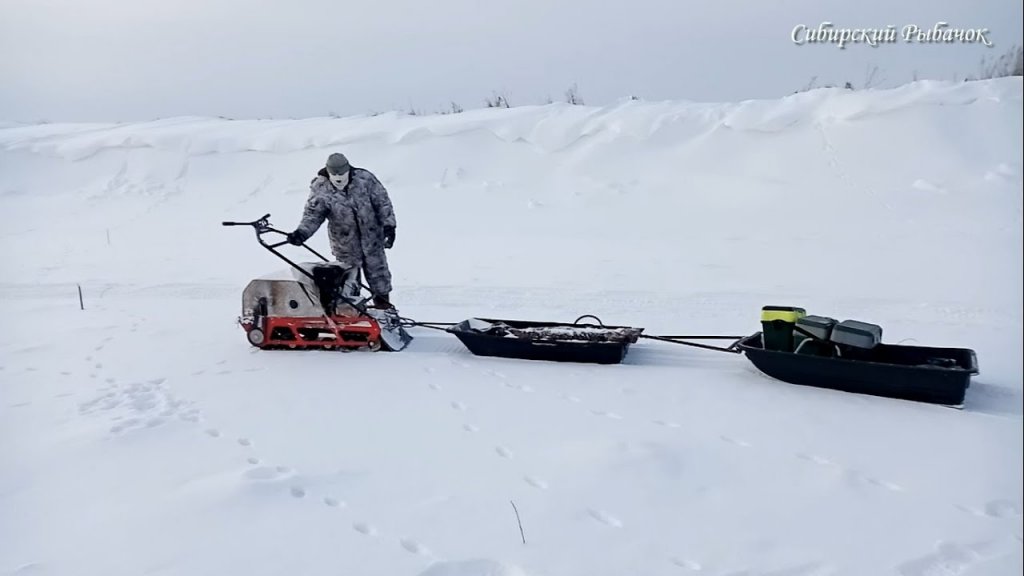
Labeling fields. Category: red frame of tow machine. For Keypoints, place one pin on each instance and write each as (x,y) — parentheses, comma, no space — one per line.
(347,331)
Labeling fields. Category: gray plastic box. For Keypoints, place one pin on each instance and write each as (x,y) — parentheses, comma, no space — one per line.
(820,326)
(857,334)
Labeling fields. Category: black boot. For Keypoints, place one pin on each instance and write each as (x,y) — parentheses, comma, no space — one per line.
(382,302)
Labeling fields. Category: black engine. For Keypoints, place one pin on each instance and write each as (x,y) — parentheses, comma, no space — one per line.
(337,285)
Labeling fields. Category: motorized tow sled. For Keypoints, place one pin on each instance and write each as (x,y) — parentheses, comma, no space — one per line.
(314,305)
(318,305)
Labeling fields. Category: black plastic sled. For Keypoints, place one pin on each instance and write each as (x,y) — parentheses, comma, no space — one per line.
(551,341)
(918,373)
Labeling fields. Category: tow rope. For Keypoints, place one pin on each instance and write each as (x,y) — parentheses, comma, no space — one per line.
(670,339)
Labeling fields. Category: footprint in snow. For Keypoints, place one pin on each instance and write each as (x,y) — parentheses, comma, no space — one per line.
(434,386)
(1000,508)
(298,492)
(503,452)
(28,570)
(604,518)
(333,502)
(244,442)
(414,547)
(927,186)
(858,478)
(735,441)
(459,406)
(253,460)
(365,528)
(267,473)
(213,433)
(947,558)
(891,486)
(816,459)
(688,564)
(607,414)
(666,424)
(470,428)
(570,398)
(189,416)
(805,569)
(536,482)
(65,373)
(1002,172)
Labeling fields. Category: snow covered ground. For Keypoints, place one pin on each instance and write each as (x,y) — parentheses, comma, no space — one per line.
(144,436)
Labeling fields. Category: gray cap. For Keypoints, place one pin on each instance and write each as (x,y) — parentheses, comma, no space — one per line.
(337,163)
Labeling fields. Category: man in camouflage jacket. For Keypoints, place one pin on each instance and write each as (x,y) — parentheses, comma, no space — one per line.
(361,221)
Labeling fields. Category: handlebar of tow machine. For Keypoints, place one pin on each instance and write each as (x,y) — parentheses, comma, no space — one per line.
(262,226)
(259,224)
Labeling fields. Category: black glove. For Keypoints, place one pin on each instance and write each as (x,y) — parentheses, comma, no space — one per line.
(294,238)
(389,236)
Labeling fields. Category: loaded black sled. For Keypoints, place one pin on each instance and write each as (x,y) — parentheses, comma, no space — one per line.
(850,356)
(319,305)
(554,341)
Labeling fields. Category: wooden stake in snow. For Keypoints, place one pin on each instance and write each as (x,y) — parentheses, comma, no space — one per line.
(520,522)
(108,236)
(81,303)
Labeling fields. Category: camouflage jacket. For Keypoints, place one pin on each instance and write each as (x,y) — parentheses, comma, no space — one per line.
(356,218)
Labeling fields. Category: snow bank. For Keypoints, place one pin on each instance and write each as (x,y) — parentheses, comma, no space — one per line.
(547,182)
(547,128)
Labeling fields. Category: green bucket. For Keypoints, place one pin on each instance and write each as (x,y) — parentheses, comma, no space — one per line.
(777,326)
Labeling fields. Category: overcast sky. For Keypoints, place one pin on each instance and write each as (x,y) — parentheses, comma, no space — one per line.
(124,60)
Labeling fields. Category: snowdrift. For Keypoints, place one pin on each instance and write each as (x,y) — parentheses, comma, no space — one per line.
(143,435)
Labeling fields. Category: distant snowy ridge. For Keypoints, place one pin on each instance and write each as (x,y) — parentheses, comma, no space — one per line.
(550,128)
